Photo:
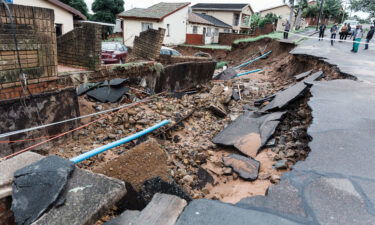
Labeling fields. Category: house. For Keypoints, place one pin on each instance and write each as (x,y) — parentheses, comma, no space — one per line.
(237,15)
(205,29)
(282,11)
(170,16)
(64,14)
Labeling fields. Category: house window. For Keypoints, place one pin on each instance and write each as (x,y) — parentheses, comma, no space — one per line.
(216,32)
(195,29)
(58,29)
(168,30)
(146,26)
(236,19)
(209,32)
(226,30)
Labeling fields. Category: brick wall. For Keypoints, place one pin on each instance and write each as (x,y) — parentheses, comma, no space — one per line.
(81,47)
(194,39)
(148,44)
(228,38)
(36,39)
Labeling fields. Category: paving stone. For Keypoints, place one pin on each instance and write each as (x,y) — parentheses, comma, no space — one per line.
(10,166)
(37,187)
(336,201)
(281,199)
(342,130)
(246,168)
(211,212)
(249,132)
(88,196)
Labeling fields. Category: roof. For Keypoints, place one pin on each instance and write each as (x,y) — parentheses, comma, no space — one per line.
(99,23)
(214,21)
(219,6)
(68,8)
(156,12)
(194,18)
(274,7)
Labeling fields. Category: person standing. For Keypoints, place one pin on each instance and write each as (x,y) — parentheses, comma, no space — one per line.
(357,37)
(287,29)
(348,31)
(334,30)
(322,29)
(369,36)
(344,30)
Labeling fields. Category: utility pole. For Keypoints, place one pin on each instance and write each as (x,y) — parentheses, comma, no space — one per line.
(320,14)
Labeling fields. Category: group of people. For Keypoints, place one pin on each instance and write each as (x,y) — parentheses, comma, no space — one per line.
(346,30)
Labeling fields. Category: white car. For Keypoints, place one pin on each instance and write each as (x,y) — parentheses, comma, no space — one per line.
(353,24)
(169,51)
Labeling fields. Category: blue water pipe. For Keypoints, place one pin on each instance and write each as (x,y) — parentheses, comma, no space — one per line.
(106,147)
(248,72)
(253,60)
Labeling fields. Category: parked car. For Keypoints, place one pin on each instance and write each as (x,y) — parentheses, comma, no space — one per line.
(169,51)
(113,52)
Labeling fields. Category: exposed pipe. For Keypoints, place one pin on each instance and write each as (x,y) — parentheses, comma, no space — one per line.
(248,72)
(106,147)
(253,60)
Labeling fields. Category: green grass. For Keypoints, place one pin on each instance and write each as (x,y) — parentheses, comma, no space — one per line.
(273,35)
(221,64)
(215,47)
(117,39)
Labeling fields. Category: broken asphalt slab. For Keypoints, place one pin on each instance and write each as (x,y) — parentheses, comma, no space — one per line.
(210,212)
(284,97)
(88,196)
(249,132)
(37,187)
(10,166)
(246,168)
(303,75)
(342,130)
(226,74)
(108,93)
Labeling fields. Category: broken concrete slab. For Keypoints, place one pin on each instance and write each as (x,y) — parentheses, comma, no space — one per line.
(246,168)
(249,132)
(211,212)
(85,87)
(157,185)
(37,187)
(10,166)
(108,93)
(285,97)
(226,74)
(218,109)
(88,196)
(126,218)
(303,75)
(163,209)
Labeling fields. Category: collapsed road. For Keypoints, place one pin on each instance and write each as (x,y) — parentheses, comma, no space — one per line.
(249,154)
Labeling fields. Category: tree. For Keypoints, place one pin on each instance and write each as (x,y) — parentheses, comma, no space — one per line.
(106,10)
(332,9)
(296,7)
(79,5)
(364,5)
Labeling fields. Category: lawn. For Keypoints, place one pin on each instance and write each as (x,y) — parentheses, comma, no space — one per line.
(273,35)
(215,47)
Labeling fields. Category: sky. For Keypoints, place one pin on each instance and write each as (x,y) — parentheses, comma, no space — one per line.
(257,5)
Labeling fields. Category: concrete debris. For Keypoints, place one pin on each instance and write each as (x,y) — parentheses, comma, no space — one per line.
(39,185)
(281,164)
(249,132)
(303,75)
(227,74)
(218,109)
(246,168)
(108,94)
(126,218)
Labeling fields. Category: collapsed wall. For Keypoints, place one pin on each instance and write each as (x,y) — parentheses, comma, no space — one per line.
(35,34)
(81,47)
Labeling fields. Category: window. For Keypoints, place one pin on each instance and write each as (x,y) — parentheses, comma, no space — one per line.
(58,29)
(226,30)
(195,29)
(236,19)
(209,32)
(216,32)
(146,26)
(168,30)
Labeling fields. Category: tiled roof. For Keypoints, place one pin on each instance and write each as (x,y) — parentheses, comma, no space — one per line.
(213,20)
(157,12)
(194,18)
(218,6)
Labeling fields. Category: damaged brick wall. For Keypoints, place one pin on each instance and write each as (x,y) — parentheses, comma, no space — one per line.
(81,47)
(168,59)
(41,109)
(148,44)
(36,39)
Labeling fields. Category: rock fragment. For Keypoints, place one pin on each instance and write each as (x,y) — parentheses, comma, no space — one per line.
(246,168)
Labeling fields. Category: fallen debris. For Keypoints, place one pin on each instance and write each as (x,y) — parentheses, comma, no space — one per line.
(247,168)
(39,185)
(302,75)
(249,132)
